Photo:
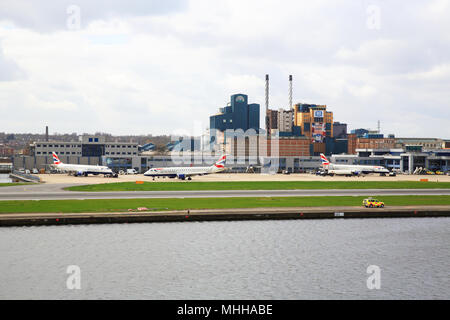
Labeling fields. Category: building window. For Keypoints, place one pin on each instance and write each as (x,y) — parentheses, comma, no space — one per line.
(95,139)
(90,139)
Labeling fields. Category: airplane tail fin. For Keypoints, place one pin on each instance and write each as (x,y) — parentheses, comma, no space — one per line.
(324,160)
(220,164)
(56,158)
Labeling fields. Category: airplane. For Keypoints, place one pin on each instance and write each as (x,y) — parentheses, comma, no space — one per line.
(81,169)
(186,172)
(350,169)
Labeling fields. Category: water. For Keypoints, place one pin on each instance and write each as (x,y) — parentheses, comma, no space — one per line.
(314,259)
(4,178)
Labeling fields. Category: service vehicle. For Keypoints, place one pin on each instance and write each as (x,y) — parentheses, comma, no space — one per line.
(373,203)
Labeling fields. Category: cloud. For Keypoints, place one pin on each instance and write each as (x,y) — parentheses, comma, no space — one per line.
(154,67)
(9,71)
(50,16)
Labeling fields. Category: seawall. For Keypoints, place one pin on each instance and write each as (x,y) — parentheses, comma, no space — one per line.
(40,219)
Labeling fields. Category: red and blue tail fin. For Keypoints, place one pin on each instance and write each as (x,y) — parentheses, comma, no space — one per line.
(56,159)
(220,164)
(324,160)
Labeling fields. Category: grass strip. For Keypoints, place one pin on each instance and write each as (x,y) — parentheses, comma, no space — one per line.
(258,185)
(120,205)
(11,184)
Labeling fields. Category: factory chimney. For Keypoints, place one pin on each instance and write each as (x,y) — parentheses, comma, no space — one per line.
(267,104)
(46,133)
(267,92)
(290,91)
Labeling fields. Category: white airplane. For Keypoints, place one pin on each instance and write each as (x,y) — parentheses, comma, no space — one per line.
(81,169)
(186,172)
(349,169)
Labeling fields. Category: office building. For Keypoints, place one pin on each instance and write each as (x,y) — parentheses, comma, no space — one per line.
(315,122)
(238,114)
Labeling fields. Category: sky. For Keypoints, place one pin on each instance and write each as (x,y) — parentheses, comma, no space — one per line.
(163,67)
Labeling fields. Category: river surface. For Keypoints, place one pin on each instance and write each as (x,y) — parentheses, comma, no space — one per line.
(5,178)
(291,259)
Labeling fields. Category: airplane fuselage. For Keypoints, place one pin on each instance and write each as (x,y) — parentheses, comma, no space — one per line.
(80,169)
(348,168)
(181,172)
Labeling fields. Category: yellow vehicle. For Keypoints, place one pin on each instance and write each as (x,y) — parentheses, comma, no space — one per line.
(373,203)
(439,172)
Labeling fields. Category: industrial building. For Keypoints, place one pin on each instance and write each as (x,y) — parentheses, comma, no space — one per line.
(238,114)
(315,121)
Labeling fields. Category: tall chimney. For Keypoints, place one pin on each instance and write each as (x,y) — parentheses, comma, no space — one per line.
(267,105)
(267,92)
(290,91)
(46,133)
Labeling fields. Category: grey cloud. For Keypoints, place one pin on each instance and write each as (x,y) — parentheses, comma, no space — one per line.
(48,15)
(9,70)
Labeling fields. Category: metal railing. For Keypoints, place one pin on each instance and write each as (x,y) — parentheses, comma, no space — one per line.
(26,177)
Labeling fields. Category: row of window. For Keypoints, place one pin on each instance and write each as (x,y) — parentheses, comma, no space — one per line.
(59,146)
(62,152)
(120,153)
(119,146)
(79,146)
(68,153)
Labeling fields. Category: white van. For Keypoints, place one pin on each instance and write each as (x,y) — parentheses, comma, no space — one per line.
(131,171)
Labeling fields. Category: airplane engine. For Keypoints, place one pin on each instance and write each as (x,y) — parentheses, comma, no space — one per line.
(181,176)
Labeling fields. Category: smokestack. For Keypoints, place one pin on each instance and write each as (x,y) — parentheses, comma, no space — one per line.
(290,91)
(46,133)
(267,104)
(267,92)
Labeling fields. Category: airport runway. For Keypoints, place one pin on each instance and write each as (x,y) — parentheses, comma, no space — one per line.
(55,192)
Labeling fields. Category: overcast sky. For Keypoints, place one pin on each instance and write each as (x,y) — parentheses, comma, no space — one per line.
(157,66)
